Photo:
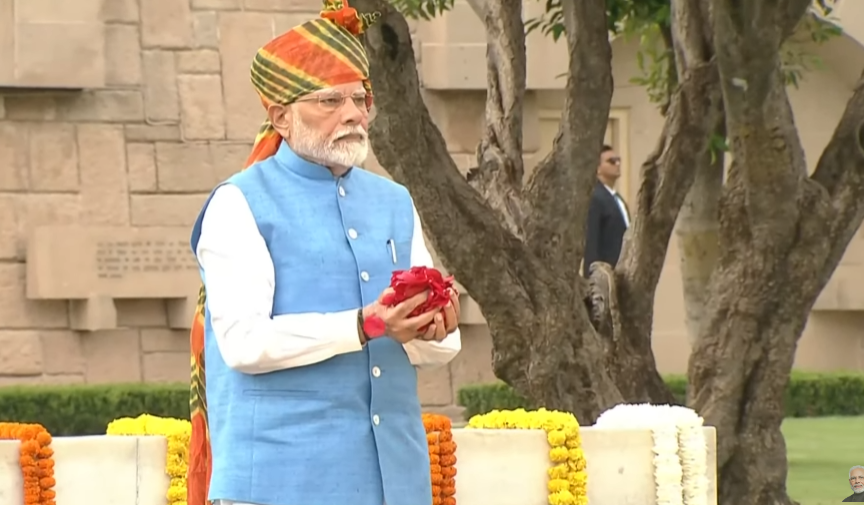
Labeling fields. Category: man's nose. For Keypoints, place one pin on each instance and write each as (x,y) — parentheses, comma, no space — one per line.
(351,114)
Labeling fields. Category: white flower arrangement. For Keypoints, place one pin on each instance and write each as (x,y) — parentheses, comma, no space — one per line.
(680,450)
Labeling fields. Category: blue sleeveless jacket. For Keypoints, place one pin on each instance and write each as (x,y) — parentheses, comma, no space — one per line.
(345,431)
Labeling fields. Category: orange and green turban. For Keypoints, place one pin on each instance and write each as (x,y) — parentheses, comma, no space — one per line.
(316,55)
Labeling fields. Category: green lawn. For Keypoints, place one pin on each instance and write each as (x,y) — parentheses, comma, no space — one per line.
(820,452)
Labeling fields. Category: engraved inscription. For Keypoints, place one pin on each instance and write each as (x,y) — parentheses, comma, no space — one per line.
(117,259)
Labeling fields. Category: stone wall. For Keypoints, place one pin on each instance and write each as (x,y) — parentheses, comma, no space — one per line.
(176,114)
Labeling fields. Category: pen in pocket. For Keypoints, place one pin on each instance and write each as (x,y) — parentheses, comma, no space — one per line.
(392,245)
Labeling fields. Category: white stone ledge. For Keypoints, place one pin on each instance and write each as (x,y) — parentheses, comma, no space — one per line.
(505,467)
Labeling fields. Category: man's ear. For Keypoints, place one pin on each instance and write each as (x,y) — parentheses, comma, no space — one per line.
(280,117)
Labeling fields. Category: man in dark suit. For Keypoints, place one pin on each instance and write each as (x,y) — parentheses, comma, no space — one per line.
(608,217)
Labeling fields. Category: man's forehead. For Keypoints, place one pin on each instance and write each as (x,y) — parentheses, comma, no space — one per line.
(608,154)
(858,471)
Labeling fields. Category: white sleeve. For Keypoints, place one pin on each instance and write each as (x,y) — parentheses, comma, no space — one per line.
(240,281)
(421,353)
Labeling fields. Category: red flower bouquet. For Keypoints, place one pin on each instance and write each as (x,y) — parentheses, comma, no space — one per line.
(408,283)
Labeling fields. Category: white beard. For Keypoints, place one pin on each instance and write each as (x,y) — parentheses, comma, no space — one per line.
(310,144)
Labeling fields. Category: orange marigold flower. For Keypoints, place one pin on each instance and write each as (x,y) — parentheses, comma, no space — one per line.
(37,467)
(439,437)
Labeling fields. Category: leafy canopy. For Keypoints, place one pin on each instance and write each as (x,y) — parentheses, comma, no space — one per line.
(649,20)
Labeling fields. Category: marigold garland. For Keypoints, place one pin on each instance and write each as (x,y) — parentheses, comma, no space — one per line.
(567,476)
(177,432)
(36,460)
(442,458)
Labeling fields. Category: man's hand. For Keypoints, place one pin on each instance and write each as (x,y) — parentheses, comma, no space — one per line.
(445,321)
(398,325)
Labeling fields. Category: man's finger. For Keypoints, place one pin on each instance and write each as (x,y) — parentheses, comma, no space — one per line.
(405,308)
(451,318)
(440,329)
(429,334)
(421,320)
(454,300)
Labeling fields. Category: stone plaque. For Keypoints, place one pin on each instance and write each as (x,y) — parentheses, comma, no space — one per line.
(120,259)
(82,262)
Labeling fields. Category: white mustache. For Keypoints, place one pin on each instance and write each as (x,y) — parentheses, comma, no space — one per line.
(354,130)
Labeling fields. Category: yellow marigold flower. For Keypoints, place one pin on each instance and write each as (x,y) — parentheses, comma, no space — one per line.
(562,498)
(556,437)
(578,479)
(557,485)
(559,454)
(558,472)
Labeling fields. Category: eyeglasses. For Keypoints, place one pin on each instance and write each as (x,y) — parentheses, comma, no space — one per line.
(331,102)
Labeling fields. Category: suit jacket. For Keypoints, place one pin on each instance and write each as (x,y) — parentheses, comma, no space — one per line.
(858,498)
(606,227)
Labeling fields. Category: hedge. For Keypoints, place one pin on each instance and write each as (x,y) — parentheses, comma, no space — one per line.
(808,395)
(87,409)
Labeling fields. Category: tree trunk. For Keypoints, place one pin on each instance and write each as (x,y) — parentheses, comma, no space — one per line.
(697,232)
(781,236)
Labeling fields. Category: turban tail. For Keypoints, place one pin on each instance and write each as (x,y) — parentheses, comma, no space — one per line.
(316,55)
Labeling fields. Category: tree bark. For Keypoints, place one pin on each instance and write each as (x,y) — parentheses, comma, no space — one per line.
(782,234)
(697,232)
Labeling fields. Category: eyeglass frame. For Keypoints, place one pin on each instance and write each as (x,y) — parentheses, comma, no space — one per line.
(364,106)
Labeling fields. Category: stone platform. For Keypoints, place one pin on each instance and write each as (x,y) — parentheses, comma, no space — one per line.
(504,467)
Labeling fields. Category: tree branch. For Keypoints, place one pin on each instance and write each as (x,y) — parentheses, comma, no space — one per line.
(555,226)
(758,114)
(840,172)
(499,156)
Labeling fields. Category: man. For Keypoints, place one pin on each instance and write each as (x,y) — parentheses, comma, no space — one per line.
(608,217)
(303,406)
(856,481)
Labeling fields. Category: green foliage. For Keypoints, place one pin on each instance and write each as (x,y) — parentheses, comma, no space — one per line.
(654,61)
(621,16)
(647,20)
(87,410)
(717,144)
(422,9)
(796,59)
(808,395)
